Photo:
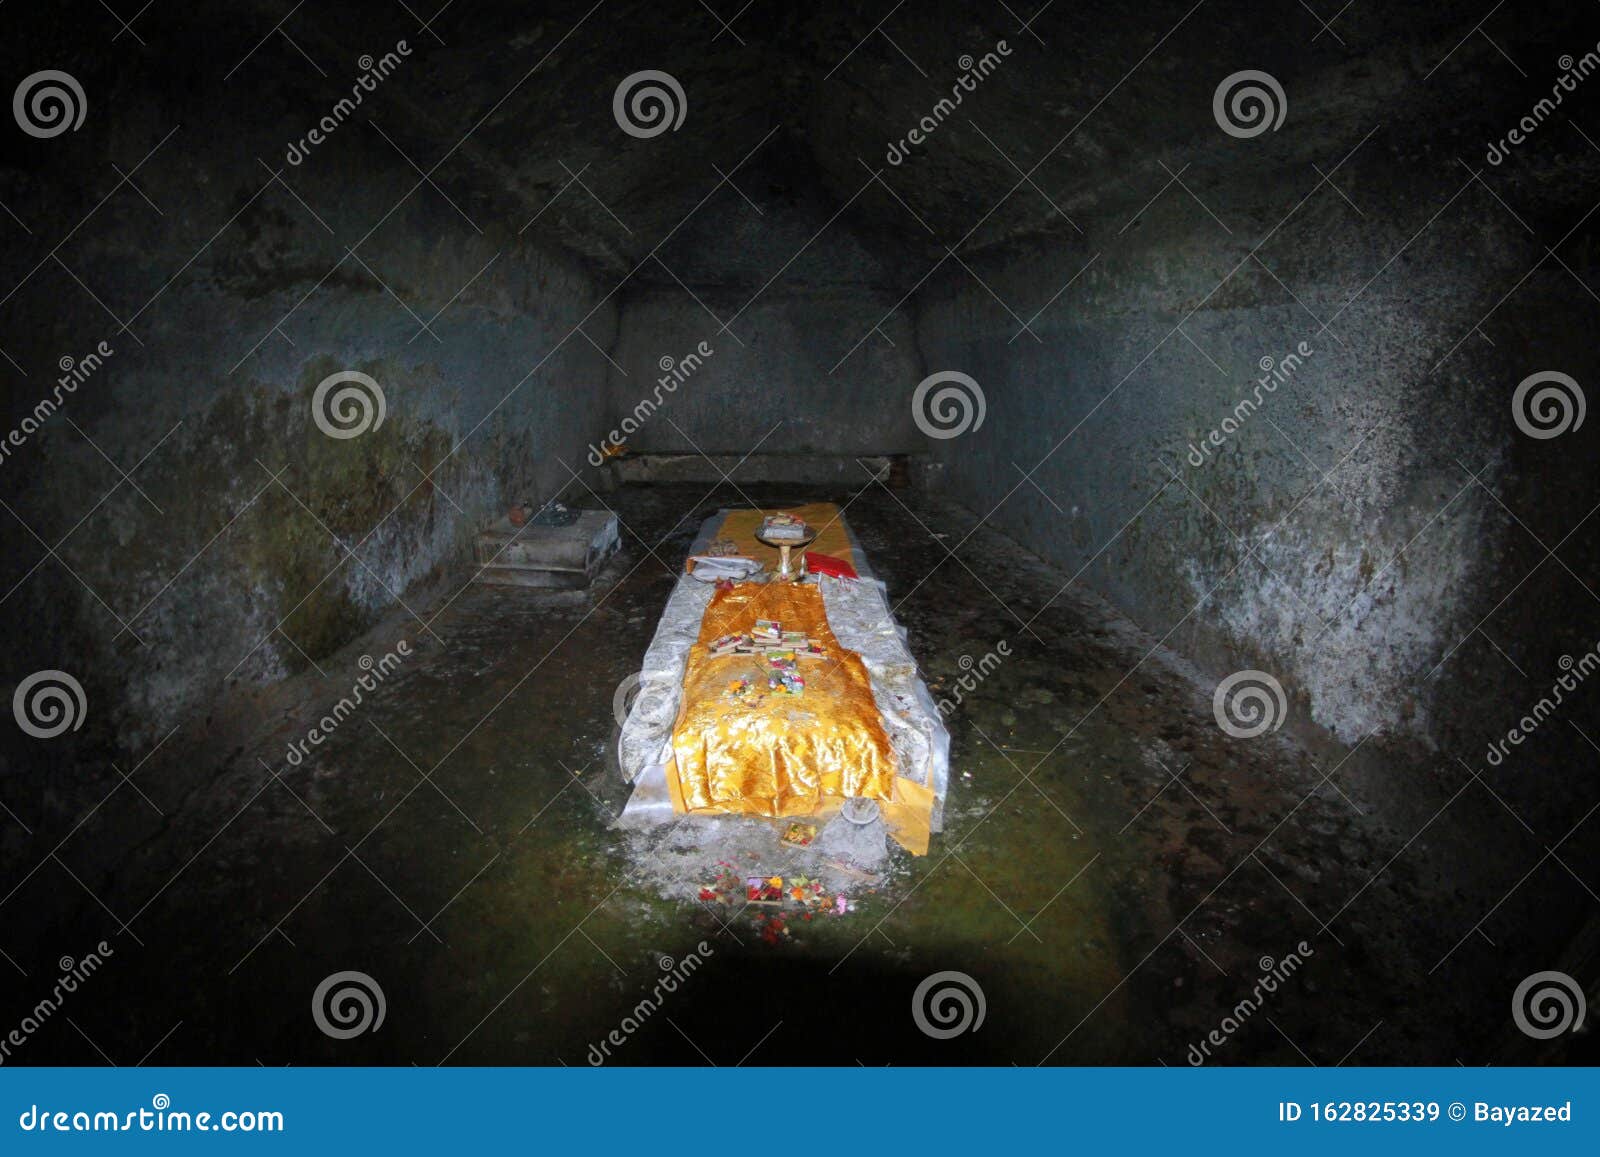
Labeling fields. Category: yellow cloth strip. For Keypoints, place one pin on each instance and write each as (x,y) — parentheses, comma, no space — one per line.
(741,525)
(773,754)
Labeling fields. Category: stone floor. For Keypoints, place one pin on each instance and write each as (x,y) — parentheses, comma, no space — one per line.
(1116,876)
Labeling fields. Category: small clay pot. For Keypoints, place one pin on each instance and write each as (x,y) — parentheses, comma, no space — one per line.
(518,515)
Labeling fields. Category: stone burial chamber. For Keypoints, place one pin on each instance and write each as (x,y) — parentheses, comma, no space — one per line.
(1191,649)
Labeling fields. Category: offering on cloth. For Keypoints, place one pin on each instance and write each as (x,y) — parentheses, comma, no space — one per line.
(783,526)
(764,889)
(785,676)
(709,568)
(799,835)
(829,565)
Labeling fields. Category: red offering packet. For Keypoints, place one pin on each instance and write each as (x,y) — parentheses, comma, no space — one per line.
(829,565)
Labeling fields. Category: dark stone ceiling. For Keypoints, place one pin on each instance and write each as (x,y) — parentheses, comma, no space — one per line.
(791,111)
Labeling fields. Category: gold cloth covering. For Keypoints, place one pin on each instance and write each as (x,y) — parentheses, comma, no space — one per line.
(773,754)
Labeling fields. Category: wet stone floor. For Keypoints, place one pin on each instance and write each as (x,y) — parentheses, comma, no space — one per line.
(1115,877)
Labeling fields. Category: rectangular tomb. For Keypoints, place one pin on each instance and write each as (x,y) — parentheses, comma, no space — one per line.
(559,557)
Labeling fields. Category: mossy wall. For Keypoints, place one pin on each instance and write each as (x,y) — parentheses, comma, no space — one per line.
(245,543)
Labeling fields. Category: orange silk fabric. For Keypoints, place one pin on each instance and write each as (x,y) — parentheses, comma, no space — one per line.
(769,753)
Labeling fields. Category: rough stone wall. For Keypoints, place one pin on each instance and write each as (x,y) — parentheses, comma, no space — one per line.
(244,542)
(1369,533)
(773,380)
(803,362)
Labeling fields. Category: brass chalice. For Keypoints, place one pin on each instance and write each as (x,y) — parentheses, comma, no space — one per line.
(788,571)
